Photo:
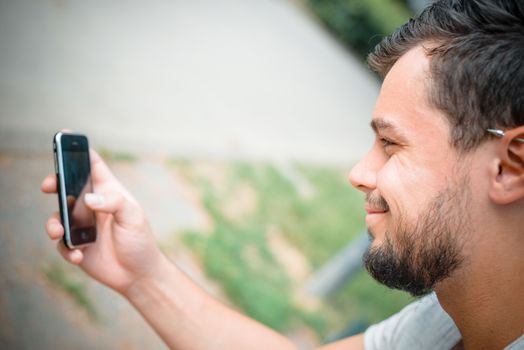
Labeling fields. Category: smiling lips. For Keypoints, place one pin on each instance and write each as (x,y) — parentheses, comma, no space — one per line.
(371,210)
(374,215)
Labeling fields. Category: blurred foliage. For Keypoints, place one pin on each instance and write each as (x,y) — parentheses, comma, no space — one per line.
(66,279)
(116,156)
(237,254)
(367,300)
(361,24)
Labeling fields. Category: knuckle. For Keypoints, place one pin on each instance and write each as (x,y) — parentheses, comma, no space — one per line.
(140,213)
(130,204)
(117,198)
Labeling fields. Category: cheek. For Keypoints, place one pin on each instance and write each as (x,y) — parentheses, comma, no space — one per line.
(407,186)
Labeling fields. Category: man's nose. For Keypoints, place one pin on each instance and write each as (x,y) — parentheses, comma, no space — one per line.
(363,176)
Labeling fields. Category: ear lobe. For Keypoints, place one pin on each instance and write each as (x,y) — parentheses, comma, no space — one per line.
(508,184)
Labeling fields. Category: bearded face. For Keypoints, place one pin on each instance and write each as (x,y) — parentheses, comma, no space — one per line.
(414,256)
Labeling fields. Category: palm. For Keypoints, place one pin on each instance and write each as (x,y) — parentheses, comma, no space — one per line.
(124,250)
(110,258)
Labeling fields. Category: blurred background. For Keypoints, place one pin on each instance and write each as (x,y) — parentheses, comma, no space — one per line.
(234,123)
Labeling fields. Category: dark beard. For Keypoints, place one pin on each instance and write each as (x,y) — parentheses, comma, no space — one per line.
(423,255)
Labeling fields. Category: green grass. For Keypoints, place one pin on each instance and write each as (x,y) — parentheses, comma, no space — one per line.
(66,280)
(237,254)
(240,261)
(117,156)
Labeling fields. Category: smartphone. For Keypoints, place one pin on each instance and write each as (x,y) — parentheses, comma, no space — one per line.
(73,175)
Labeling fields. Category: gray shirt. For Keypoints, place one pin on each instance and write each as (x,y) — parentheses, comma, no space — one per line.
(421,325)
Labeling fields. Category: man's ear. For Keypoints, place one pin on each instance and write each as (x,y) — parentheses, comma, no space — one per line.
(508,181)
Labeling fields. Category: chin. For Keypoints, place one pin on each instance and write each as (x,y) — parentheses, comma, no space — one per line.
(373,239)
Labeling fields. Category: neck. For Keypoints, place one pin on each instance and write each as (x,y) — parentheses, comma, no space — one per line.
(485,298)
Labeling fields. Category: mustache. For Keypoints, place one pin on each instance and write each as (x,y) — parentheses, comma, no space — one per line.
(376,201)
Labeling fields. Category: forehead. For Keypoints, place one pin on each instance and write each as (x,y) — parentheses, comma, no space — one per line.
(403,105)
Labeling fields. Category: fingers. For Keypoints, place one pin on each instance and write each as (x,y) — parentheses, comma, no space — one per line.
(103,176)
(49,184)
(54,227)
(74,256)
(124,210)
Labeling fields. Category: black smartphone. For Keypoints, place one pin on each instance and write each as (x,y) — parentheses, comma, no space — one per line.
(73,175)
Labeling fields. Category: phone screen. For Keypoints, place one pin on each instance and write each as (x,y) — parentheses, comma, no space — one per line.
(76,171)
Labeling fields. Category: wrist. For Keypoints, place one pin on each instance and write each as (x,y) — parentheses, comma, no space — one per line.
(143,285)
(168,294)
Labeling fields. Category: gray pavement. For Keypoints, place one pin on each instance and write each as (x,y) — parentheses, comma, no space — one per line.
(255,78)
(200,79)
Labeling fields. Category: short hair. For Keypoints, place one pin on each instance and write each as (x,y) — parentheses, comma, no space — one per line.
(476,51)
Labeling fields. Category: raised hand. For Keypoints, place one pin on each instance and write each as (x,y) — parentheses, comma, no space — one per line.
(125,250)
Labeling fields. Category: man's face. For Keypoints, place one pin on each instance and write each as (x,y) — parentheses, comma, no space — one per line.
(417,187)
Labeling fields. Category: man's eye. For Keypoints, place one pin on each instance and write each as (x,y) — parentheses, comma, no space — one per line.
(386,143)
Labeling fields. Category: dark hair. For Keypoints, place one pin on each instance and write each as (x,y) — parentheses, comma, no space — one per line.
(476,50)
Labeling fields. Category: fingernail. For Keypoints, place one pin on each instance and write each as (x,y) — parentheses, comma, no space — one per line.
(94,199)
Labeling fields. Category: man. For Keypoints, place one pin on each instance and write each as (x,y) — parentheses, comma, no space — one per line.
(444,183)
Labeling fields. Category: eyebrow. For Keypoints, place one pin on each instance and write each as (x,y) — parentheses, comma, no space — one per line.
(380,124)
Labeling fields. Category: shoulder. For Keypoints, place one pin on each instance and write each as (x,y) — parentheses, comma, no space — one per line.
(422,324)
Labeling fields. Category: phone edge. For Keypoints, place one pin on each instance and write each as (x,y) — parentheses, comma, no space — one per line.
(62,200)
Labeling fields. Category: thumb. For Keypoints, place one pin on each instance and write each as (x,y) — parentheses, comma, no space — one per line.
(125,212)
